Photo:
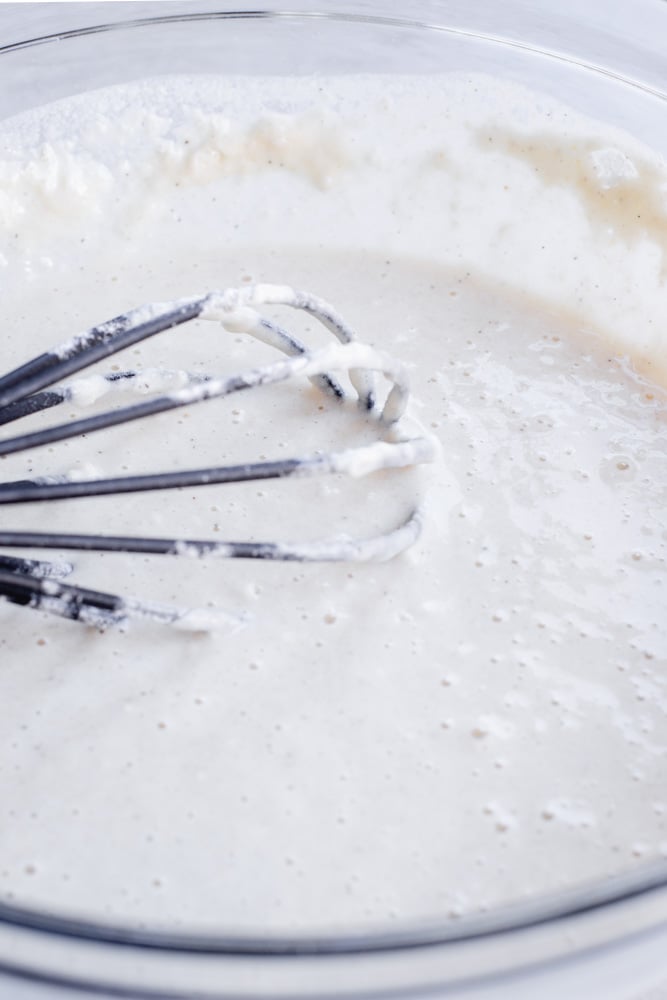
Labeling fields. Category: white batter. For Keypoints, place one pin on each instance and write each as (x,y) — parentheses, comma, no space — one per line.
(483,718)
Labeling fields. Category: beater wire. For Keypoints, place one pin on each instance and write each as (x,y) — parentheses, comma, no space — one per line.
(31,388)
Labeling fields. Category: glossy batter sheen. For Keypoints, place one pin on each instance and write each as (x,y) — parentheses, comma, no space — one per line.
(481,719)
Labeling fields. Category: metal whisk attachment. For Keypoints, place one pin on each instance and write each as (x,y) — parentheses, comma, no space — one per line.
(33,387)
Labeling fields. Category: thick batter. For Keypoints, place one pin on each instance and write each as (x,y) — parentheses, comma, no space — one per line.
(481,719)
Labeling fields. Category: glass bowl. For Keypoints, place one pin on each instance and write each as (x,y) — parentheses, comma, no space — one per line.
(598,939)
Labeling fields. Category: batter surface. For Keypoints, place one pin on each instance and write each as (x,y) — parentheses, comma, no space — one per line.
(483,718)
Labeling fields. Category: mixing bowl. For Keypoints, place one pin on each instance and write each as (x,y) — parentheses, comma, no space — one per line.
(596,939)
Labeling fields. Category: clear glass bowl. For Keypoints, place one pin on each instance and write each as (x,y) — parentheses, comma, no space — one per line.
(607,939)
